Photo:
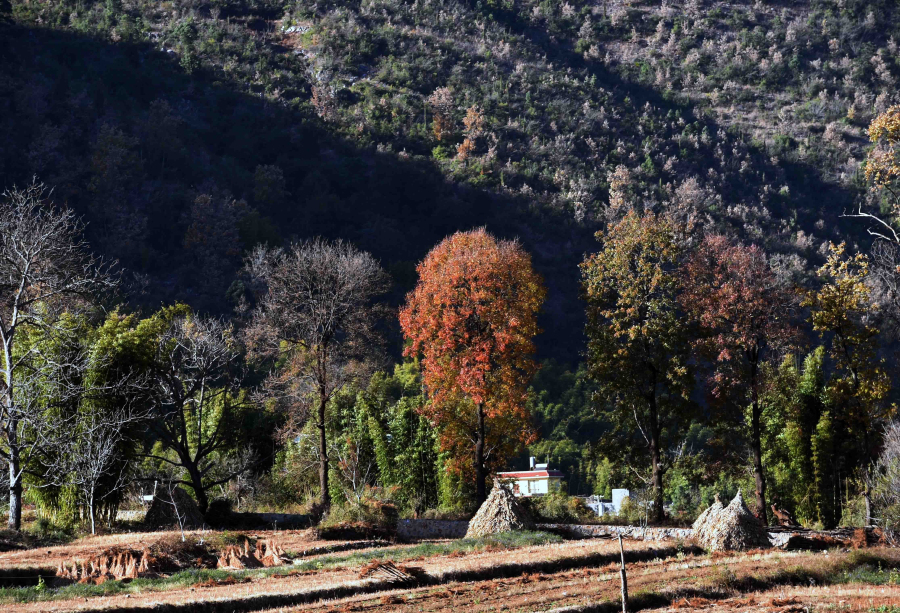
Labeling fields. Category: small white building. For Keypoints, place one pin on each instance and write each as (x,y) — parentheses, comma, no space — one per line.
(539,480)
(603,506)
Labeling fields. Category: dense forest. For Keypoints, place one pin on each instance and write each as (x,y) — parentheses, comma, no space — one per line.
(691,206)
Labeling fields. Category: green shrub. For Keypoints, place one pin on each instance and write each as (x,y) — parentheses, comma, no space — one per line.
(374,508)
(558,508)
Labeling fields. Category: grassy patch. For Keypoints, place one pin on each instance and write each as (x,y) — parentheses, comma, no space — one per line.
(187,578)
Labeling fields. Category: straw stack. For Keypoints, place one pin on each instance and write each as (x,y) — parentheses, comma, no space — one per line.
(733,528)
(501,512)
(701,526)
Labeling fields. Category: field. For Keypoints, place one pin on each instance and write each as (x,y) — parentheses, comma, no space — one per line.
(527,572)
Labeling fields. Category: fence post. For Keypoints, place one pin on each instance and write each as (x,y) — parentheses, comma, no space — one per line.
(624,578)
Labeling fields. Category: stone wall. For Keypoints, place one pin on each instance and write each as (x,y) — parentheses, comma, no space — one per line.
(442,529)
(415,529)
(629,532)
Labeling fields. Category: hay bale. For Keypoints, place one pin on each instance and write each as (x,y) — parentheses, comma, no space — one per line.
(734,528)
(501,512)
(703,522)
(161,513)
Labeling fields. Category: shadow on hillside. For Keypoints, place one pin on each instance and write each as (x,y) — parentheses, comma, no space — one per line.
(128,140)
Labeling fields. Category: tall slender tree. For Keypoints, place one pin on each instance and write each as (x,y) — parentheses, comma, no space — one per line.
(842,309)
(745,309)
(45,268)
(472,317)
(316,317)
(637,342)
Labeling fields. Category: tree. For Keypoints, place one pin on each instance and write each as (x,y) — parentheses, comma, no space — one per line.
(405,442)
(441,102)
(842,309)
(89,458)
(92,407)
(194,369)
(745,310)
(883,173)
(885,481)
(316,316)
(472,317)
(637,342)
(798,439)
(45,267)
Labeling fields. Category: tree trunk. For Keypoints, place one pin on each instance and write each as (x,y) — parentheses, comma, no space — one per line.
(91,511)
(197,484)
(325,499)
(656,479)
(867,495)
(15,480)
(757,464)
(480,476)
(867,492)
(656,476)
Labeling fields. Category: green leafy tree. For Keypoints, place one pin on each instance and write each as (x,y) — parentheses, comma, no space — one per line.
(842,310)
(796,416)
(560,402)
(405,441)
(637,347)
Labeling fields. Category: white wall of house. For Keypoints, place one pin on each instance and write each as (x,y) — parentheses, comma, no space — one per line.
(535,486)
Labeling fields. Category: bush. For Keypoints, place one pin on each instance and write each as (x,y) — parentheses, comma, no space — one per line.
(558,508)
(374,514)
(632,512)
(219,513)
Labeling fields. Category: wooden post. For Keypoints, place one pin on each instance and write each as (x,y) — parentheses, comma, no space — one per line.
(624,578)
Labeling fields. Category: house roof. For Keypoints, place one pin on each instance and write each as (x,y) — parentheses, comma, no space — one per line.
(531,474)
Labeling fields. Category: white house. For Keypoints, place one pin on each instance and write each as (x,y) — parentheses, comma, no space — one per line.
(540,479)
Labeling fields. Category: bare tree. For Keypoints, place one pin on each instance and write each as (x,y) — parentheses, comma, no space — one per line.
(884,481)
(355,468)
(194,395)
(45,266)
(88,455)
(317,315)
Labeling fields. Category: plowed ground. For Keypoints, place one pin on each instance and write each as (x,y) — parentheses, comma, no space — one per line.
(570,576)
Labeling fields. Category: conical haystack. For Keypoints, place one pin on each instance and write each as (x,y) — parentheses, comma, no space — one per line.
(703,522)
(501,512)
(734,528)
(165,510)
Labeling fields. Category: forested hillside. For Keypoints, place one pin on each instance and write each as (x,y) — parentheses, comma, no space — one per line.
(187,133)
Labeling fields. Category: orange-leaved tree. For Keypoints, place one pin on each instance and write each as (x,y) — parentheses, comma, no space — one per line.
(472,318)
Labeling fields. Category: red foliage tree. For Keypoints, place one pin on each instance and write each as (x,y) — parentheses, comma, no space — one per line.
(746,310)
(472,318)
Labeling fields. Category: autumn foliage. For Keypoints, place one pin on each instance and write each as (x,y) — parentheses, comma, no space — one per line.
(472,318)
(745,312)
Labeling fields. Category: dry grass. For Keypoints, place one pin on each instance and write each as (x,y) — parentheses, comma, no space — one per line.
(569,576)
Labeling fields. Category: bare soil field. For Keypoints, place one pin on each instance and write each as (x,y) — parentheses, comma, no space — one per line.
(295,541)
(557,576)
